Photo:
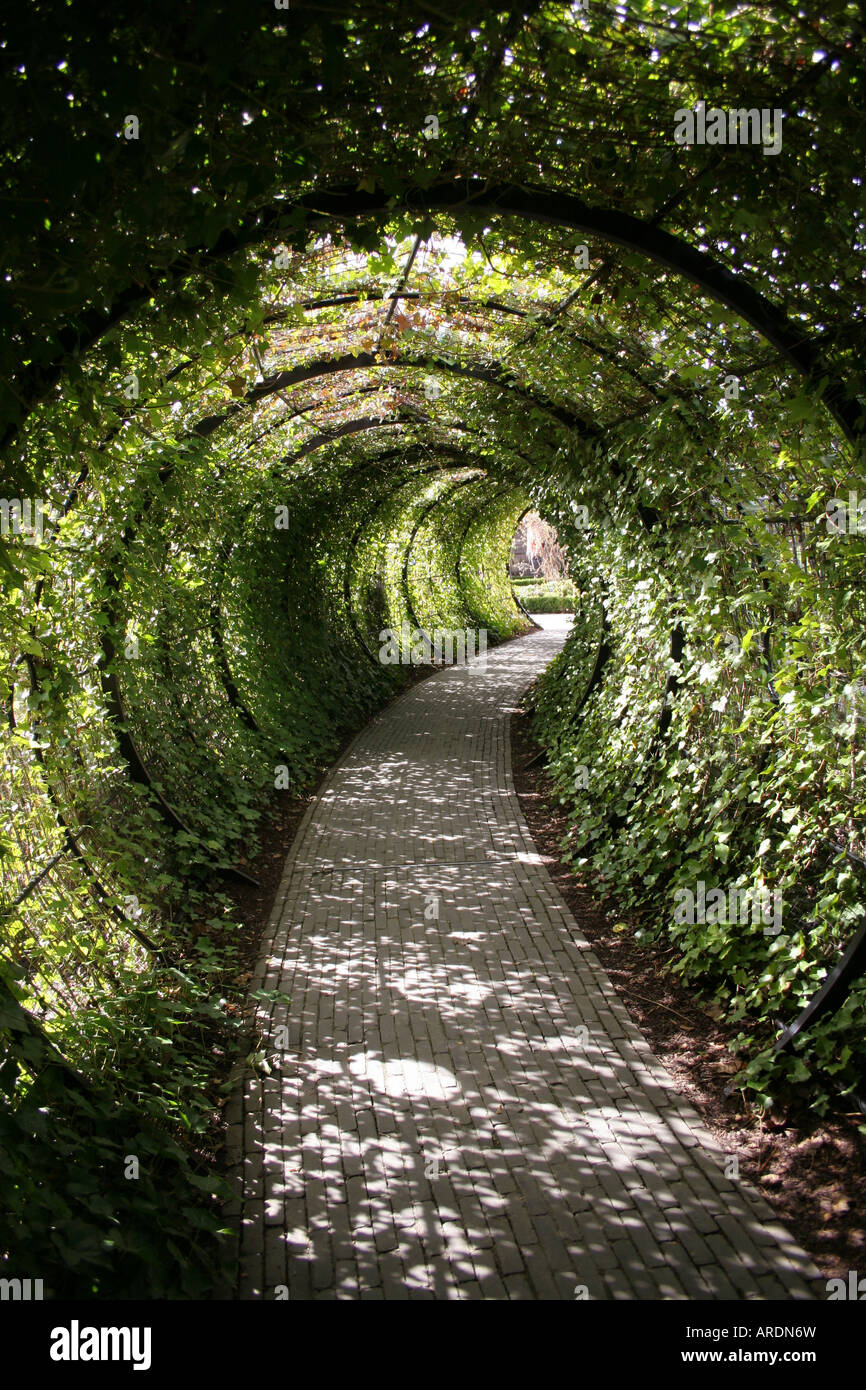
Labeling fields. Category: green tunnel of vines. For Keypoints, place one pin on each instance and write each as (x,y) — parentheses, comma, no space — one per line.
(284,368)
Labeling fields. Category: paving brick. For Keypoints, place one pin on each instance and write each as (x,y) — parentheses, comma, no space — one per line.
(540,1275)
(251,1277)
(415,1038)
(276,1257)
(300,1280)
(616,1285)
(518,1287)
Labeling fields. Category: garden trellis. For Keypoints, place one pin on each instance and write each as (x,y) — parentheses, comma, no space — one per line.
(286,361)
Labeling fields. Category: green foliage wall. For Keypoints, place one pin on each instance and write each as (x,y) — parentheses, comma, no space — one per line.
(756,781)
(274,291)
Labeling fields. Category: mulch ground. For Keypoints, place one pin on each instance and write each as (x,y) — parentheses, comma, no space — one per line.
(811,1171)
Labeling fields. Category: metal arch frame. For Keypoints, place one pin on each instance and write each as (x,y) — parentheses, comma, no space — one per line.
(369,465)
(419,522)
(492,373)
(115,707)
(216,628)
(833,991)
(470,522)
(523,610)
(538,204)
(404,479)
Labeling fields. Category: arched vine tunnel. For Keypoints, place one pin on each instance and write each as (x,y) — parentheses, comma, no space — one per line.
(303,308)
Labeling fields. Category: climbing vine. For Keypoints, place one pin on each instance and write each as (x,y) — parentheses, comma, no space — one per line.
(301,312)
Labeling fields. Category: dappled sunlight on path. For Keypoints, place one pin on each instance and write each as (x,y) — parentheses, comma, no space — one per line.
(457,1105)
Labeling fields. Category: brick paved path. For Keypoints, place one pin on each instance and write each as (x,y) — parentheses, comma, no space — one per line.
(458,1105)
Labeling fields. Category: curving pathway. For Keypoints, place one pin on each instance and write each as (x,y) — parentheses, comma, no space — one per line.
(458,1106)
